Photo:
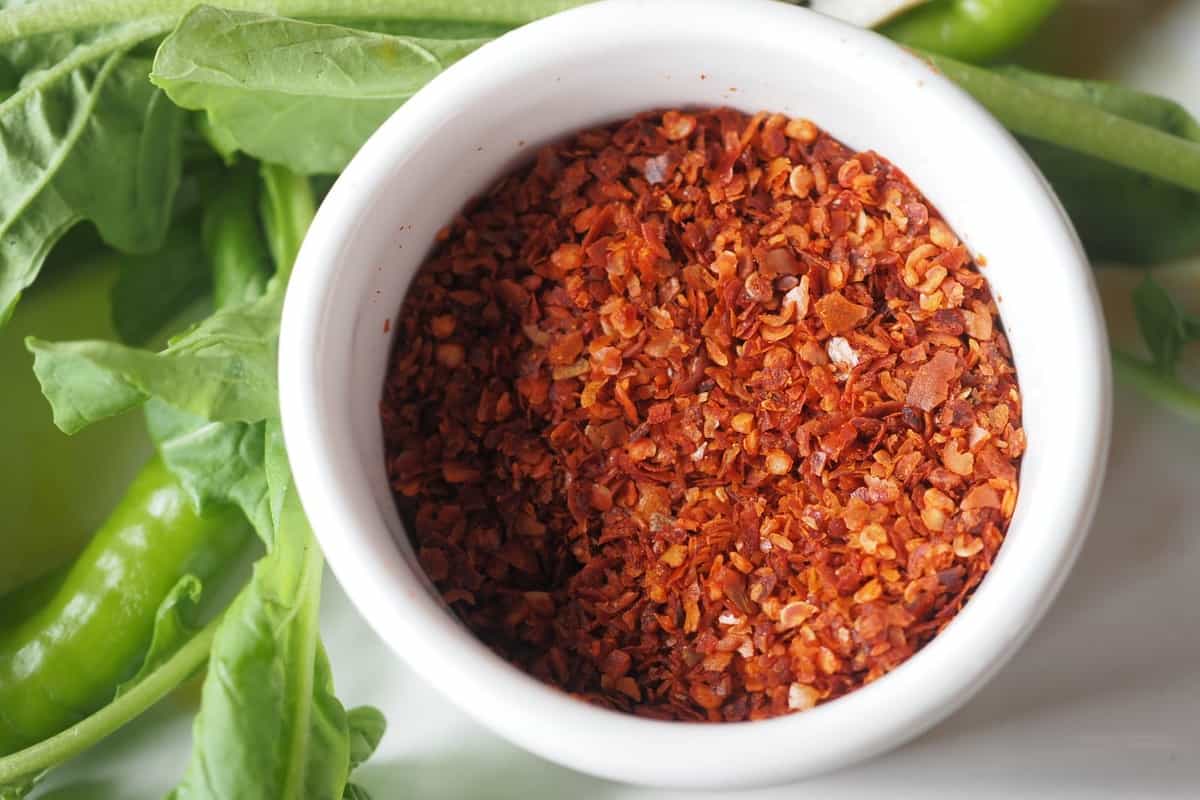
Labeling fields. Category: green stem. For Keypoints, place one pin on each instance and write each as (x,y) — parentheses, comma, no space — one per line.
(1169,391)
(306,653)
(67,15)
(1078,126)
(288,208)
(82,735)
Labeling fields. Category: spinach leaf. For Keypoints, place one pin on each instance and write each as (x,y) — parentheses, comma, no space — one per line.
(261,79)
(367,726)
(153,289)
(223,369)
(51,16)
(173,625)
(1165,330)
(83,136)
(440,28)
(1163,326)
(270,725)
(216,462)
(223,462)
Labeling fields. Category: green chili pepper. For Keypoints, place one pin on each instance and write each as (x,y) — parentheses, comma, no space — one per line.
(40,530)
(971,30)
(69,641)
(64,661)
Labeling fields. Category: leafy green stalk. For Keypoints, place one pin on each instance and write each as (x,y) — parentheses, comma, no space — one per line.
(1165,389)
(72,15)
(1082,126)
(287,207)
(270,726)
(270,689)
(239,257)
(1120,214)
(1165,329)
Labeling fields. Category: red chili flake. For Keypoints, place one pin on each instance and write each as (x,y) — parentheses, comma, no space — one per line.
(703,416)
(931,384)
(838,314)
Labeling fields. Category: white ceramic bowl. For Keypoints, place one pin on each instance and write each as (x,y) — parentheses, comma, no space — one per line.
(598,64)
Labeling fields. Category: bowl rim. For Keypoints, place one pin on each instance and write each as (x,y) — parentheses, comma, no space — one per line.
(915,696)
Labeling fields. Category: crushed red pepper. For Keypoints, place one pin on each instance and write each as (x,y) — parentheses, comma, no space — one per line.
(703,416)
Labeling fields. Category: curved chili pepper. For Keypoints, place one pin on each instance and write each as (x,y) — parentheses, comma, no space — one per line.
(62,662)
(969,30)
(40,531)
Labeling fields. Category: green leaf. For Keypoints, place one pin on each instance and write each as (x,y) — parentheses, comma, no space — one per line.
(367,726)
(223,369)
(1121,215)
(49,16)
(261,79)
(270,725)
(444,27)
(1191,328)
(1161,324)
(216,462)
(355,792)
(80,386)
(124,174)
(173,627)
(218,139)
(154,289)
(277,470)
(223,462)
(84,136)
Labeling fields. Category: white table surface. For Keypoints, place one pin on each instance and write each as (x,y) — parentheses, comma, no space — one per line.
(1103,701)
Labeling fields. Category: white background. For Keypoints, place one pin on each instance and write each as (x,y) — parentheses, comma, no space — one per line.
(1103,702)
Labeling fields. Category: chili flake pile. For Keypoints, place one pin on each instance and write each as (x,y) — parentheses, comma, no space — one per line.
(703,416)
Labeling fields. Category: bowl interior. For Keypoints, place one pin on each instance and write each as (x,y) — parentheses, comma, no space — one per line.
(600,64)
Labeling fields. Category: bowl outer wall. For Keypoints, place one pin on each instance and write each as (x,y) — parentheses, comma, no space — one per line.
(600,63)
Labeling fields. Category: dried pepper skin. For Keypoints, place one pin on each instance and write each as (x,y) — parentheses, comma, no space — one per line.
(703,416)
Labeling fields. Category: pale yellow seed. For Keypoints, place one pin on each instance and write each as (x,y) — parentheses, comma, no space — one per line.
(778,462)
